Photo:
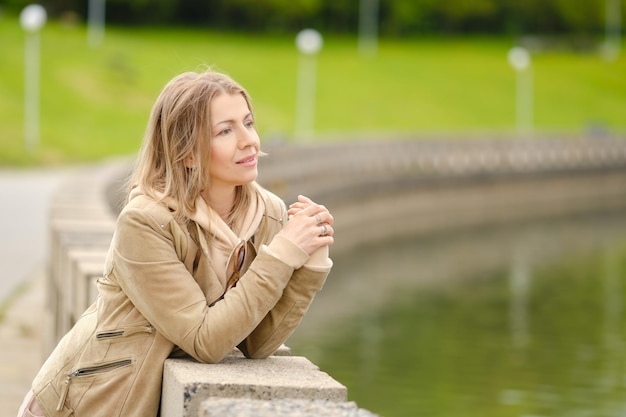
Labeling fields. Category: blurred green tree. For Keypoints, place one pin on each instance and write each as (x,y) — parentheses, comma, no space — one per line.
(397,17)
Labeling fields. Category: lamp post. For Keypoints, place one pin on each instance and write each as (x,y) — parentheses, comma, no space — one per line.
(309,43)
(519,59)
(613,30)
(32,19)
(368,27)
(95,22)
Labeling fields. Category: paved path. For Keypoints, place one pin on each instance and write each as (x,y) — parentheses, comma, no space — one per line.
(23,250)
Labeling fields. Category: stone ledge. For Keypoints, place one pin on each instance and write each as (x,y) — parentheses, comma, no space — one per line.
(424,184)
(186,383)
(236,407)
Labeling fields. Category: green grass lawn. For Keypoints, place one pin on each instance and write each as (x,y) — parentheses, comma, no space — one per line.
(95,101)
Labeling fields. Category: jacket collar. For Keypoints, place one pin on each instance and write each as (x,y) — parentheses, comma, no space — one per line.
(224,240)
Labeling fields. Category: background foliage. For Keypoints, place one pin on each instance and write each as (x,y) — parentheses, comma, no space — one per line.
(95,100)
(397,17)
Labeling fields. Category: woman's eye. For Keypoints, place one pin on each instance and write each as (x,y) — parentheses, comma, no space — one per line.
(250,123)
(224,132)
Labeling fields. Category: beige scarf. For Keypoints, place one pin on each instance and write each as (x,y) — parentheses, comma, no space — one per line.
(224,240)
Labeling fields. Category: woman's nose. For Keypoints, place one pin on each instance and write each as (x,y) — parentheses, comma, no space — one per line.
(248,137)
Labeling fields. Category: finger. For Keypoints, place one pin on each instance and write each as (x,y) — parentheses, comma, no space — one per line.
(299,204)
(308,201)
(309,211)
(304,199)
(322,214)
(327,240)
(296,207)
(325,217)
(291,213)
(304,213)
(326,230)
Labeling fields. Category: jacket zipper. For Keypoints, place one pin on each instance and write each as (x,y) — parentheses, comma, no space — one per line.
(125,332)
(88,371)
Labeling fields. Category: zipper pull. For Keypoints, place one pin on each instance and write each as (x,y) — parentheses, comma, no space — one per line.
(66,388)
(144,329)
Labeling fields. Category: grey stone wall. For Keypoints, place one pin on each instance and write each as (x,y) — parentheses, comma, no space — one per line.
(376,191)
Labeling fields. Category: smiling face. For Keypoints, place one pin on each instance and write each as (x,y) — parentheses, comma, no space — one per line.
(234,145)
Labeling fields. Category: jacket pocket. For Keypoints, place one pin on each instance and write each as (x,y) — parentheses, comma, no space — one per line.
(89,371)
(124,332)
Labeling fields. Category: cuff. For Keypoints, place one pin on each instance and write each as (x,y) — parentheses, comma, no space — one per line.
(319,260)
(285,250)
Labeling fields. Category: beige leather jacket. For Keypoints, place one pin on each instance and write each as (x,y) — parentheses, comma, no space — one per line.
(154,298)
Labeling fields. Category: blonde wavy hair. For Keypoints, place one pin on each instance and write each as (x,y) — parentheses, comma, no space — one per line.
(179,127)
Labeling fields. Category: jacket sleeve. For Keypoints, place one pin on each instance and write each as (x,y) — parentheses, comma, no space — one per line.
(286,315)
(156,281)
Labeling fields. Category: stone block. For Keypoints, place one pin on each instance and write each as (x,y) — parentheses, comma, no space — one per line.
(187,383)
(237,407)
(85,272)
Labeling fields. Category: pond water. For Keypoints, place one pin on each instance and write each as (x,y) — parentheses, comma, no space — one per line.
(522,321)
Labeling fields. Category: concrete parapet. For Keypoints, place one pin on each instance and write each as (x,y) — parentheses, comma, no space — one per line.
(376,191)
(86,269)
(81,227)
(380,190)
(237,407)
(342,171)
(186,383)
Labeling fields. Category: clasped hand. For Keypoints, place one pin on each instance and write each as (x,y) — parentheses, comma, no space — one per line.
(310,225)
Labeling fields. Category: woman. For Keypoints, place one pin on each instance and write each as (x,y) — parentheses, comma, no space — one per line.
(203,259)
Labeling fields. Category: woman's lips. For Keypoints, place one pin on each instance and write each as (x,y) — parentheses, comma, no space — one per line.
(247,161)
